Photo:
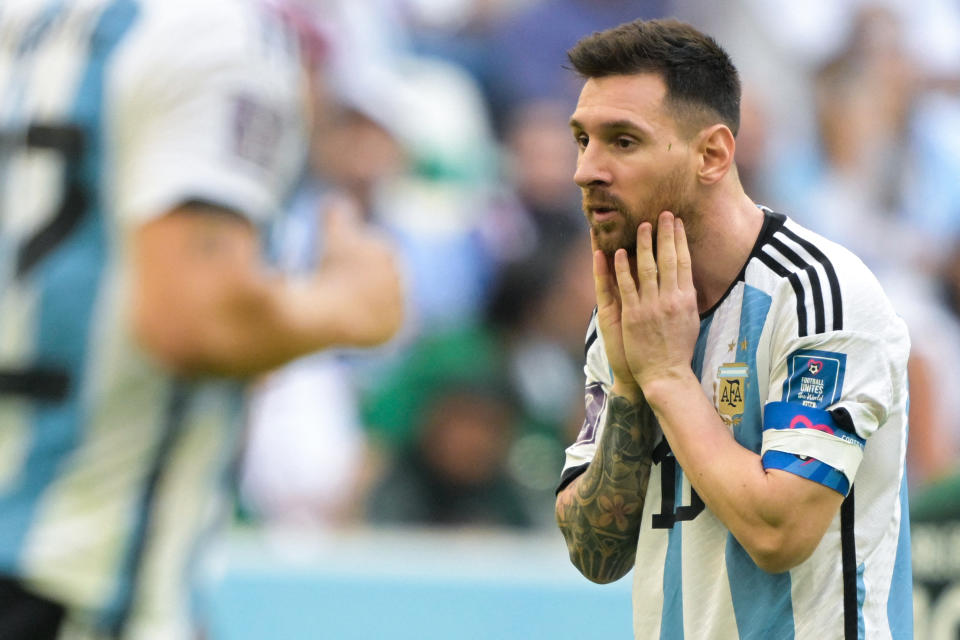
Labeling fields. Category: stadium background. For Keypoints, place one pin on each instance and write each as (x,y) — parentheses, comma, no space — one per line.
(407,493)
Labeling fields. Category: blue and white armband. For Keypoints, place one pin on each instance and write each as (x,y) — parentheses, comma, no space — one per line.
(809,442)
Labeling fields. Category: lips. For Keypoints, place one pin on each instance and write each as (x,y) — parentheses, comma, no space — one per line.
(601,212)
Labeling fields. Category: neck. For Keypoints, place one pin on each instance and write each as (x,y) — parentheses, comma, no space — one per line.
(730,225)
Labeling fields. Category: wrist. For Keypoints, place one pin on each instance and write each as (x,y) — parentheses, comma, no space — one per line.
(628,390)
(663,387)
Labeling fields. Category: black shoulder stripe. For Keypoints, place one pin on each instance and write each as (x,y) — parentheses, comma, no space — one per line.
(811,271)
(797,285)
(820,257)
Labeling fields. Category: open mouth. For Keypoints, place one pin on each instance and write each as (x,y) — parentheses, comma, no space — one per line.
(603,214)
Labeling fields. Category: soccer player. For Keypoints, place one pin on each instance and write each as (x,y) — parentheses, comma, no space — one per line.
(143,144)
(746,388)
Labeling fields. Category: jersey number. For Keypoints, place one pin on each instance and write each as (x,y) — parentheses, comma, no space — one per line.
(67,141)
(670,513)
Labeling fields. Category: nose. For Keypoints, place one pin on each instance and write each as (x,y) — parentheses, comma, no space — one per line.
(591,168)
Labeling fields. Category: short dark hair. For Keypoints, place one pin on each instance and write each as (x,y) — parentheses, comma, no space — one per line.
(699,75)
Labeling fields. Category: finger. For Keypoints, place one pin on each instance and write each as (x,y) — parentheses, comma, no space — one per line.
(602,282)
(684,263)
(646,265)
(342,218)
(625,283)
(666,252)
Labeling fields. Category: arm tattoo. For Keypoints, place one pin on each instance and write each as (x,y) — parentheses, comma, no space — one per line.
(599,514)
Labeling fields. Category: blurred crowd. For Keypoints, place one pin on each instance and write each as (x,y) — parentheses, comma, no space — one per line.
(445,123)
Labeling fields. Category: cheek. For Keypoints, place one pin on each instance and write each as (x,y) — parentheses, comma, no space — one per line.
(675,185)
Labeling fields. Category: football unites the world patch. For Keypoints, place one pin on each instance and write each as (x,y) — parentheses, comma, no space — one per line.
(814,378)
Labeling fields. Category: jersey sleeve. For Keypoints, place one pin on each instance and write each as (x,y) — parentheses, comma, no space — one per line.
(209,107)
(598,383)
(831,391)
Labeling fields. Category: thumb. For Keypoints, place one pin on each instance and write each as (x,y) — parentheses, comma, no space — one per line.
(341,219)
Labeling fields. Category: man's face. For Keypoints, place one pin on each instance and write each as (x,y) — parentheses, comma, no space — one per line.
(633,161)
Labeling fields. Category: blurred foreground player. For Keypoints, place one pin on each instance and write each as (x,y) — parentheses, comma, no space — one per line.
(142,146)
(746,379)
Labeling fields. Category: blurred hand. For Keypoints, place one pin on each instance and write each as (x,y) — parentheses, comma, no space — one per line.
(359,267)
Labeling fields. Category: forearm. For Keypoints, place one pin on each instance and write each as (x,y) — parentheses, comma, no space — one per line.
(599,513)
(263,324)
(204,303)
(252,325)
(777,524)
(778,517)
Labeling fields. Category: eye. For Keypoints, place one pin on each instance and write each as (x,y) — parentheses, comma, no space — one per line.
(624,142)
(582,140)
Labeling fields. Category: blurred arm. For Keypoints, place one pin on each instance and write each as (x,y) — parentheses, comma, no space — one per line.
(205,304)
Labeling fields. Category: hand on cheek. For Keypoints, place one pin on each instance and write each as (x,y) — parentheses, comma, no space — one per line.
(660,321)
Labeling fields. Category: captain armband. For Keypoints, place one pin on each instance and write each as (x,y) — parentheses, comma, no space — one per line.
(810,443)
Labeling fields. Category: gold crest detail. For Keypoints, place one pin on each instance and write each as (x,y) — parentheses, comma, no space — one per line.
(730,394)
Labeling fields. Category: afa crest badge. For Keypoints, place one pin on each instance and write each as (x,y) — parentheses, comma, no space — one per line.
(731,391)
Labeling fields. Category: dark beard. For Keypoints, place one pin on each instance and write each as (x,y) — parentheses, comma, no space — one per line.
(671,195)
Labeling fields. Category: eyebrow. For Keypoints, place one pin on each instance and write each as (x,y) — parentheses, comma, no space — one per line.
(613,125)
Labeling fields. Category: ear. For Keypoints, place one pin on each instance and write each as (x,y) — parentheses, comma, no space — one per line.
(716,147)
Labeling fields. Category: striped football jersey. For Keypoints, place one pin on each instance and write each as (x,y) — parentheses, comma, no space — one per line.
(805,362)
(113,112)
